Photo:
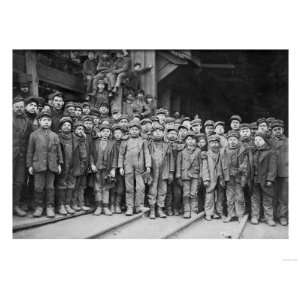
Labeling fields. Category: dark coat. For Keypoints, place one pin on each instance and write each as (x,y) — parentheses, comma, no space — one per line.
(56,116)
(21,131)
(166,154)
(188,164)
(80,158)
(281,147)
(44,153)
(266,164)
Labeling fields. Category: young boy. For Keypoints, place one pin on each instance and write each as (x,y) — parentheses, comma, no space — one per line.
(196,125)
(65,183)
(44,160)
(235,122)
(162,171)
(103,164)
(280,144)
(146,129)
(119,187)
(188,172)
(213,180)
(220,130)
(173,199)
(209,127)
(134,161)
(78,111)
(235,168)
(264,172)
(80,165)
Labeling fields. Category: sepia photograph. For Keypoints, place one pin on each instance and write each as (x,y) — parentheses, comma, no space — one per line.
(150,144)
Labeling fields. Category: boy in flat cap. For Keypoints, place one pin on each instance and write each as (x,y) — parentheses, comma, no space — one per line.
(264,176)
(80,166)
(263,127)
(253,128)
(65,183)
(182,132)
(21,131)
(86,108)
(69,110)
(100,95)
(162,171)
(209,127)
(31,110)
(235,122)
(213,179)
(188,172)
(56,109)
(118,189)
(220,130)
(103,164)
(78,111)
(134,161)
(146,129)
(280,143)
(161,114)
(44,160)
(235,168)
(196,126)
(174,191)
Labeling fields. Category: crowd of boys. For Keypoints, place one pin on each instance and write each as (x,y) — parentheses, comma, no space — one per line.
(73,157)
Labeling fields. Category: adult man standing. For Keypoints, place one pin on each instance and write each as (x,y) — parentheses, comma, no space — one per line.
(21,132)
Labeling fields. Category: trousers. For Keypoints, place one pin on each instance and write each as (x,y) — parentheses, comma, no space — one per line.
(44,180)
(282,197)
(157,189)
(235,198)
(214,201)
(135,189)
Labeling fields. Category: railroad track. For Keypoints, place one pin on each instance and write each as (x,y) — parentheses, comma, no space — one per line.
(137,226)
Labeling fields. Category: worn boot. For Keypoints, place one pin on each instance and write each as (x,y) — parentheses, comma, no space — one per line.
(81,200)
(227,219)
(129,211)
(283,221)
(271,222)
(169,211)
(254,221)
(161,213)
(186,208)
(50,196)
(16,197)
(68,199)
(176,212)
(61,194)
(194,205)
(118,204)
(38,200)
(98,199)
(152,212)
(106,210)
(50,211)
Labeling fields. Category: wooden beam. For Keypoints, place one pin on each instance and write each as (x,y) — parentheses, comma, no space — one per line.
(31,68)
(166,70)
(60,78)
(217,66)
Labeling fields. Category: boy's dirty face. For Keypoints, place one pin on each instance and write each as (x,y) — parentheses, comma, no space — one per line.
(245,132)
(116,115)
(136,119)
(149,100)
(123,122)
(186,123)
(101,86)
(158,134)
(190,141)
(105,133)
(147,126)
(71,111)
(66,127)
(209,130)
(259,141)
(118,134)
(202,143)
(196,128)
(58,102)
(134,131)
(172,135)
(78,112)
(214,146)
(233,142)
(161,117)
(182,132)
(262,127)
(219,130)
(103,110)
(45,122)
(96,121)
(31,108)
(88,125)
(235,124)
(18,108)
(79,131)
(86,110)
(169,125)
(91,55)
(277,131)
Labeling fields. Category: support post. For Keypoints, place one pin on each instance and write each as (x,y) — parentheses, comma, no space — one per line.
(31,68)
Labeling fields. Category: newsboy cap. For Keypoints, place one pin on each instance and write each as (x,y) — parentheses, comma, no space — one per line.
(104,126)
(18,98)
(196,122)
(235,117)
(261,120)
(52,95)
(277,123)
(64,120)
(161,111)
(34,99)
(134,124)
(209,123)
(44,113)
(219,123)
(233,133)
(213,138)
(244,125)
(191,134)
(146,120)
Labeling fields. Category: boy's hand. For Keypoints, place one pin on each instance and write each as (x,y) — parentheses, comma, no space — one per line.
(148,170)
(59,169)
(269,183)
(30,170)
(94,168)
(113,173)
(121,170)
(171,178)
(179,181)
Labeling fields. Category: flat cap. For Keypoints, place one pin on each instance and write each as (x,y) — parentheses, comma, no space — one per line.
(117,126)
(196,122)
(95,112)
(253,125)
(191,134)
(261,120)
(158,126)
(104,126)
(170,120)
(77,124)
(134,124)
(244,125)
(183,126)
(219,123)
(52,95)
(185,119)
(277,123)
(64,120)
(37,100)
(155,119)
(18,98)
(261,134)
(209,123)
(213,138)
(172,128)
(161,111)
(146,120)
(122,117)
(85,103)
(44,113)
(235,117)
(87,118)
(70,104)
(233,133)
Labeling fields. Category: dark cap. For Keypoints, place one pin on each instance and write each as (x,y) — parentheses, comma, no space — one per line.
(18,98)
(37,100)
(191,134)
(233,133)
(64,120)
(236,117)
(209,123)
(44,113)
(134,124)
(116,127)
(146,120)
(78,123)
(87,118)
(277,123)
(213,138)
(95,112)
(52,95)
(104,126)
(219,123)
(196,122)
(261,120)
